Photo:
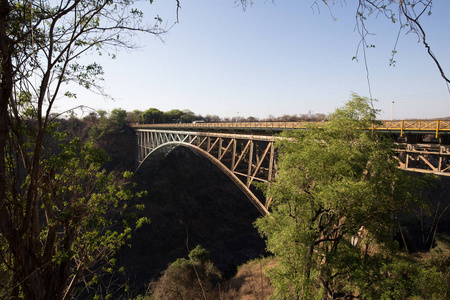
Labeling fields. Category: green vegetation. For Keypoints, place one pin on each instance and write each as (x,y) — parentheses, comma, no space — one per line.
(373,267)
(155,116)
(103,125)
(83,227)
(197,278)
(192,278)
(61,215)
(337,198)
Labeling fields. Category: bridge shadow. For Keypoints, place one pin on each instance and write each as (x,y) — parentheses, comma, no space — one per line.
(191,202)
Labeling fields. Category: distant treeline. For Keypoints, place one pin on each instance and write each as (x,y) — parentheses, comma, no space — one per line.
(155,116)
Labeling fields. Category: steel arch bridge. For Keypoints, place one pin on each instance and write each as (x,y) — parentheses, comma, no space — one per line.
(243,158)
(245,151)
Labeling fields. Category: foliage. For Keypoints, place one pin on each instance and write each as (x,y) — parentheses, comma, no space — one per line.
(134,116)
(56,204)
(103,126)
(336,198)
(78,235)
(152,115)
(191,278)
(155,116)
(118,117)
(174,116)
(189,116)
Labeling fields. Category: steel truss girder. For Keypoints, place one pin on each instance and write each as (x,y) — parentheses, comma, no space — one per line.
(424,158)
(244,158)
(249,158)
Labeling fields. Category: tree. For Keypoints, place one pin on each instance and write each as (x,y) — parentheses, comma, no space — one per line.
(213,118)
(134,116)
(407,15)
(288,118)
(252,119)
(102,113)
(334,211)
(189,116)
(92,117)
(174,116)
(152,116)
(118,117)
(48,200)
(78,236)
(192,278)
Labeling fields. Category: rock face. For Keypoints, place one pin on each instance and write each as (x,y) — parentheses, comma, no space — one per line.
(190,202)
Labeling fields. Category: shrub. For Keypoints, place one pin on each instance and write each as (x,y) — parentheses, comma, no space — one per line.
(192,278)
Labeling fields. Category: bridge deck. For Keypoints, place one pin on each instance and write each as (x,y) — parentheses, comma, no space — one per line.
(246,151)
(436,128)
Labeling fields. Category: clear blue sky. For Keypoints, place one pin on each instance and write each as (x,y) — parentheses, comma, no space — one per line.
(274,59)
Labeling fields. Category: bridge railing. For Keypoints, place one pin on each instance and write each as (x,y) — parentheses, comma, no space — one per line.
(231,125)
(415,126)
(400,126)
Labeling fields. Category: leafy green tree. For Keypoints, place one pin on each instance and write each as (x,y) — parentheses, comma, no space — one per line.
(152,116)
(106,126)
(118,117)
(53,218)
(134,116)
(173,116)
(92,117)
(192,278)
(102,113)
(77,236)
(336,199)
(189,116)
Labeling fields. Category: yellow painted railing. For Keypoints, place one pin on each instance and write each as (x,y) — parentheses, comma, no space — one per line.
(401,126)
(419,126)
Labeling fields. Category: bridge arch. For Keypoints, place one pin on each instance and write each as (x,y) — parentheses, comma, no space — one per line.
(248,153)
(157,154)
(243,158)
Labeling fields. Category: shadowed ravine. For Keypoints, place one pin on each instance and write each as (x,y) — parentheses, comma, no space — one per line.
(190,200)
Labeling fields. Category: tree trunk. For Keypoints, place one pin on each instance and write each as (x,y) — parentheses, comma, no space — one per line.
(5,94)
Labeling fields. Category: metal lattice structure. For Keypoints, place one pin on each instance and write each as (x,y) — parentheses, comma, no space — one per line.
(400,127)
(243,158)
(424,158)
(245,151)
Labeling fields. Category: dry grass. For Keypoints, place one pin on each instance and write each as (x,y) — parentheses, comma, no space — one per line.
(250,282)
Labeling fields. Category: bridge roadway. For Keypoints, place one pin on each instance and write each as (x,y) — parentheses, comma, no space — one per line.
(245,151)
